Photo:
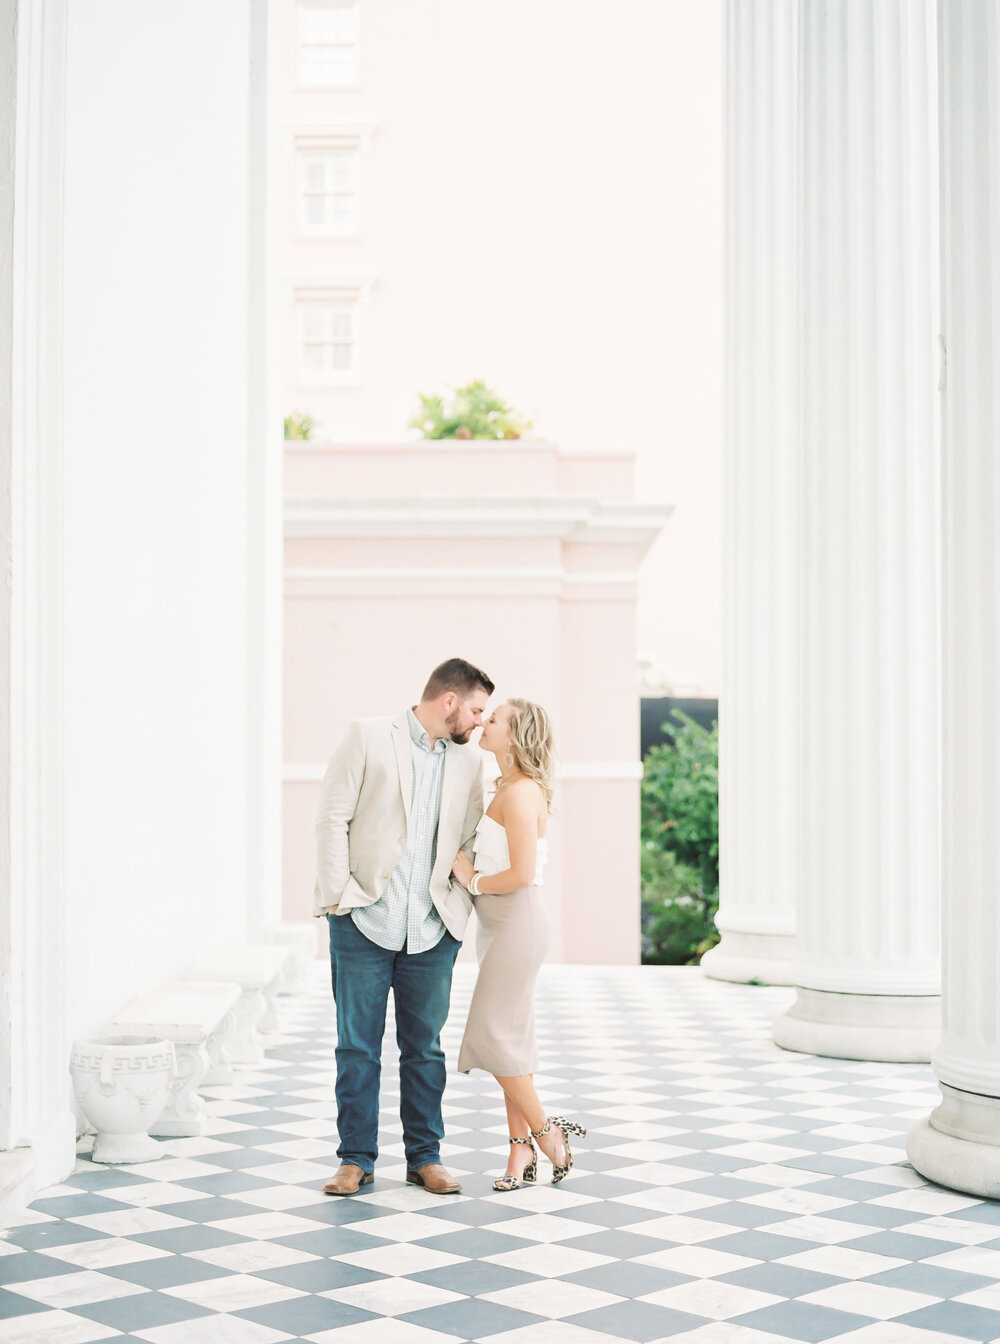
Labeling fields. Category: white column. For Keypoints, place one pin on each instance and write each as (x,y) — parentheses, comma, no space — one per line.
(265,449)
(959,1144)
(35,1093)
(867,939)
(757,721)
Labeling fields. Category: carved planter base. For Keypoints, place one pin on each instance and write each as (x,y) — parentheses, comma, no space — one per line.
(122,1084)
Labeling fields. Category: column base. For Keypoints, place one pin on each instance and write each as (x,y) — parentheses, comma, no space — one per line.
(958,1144)
(751,958)
(891,1028)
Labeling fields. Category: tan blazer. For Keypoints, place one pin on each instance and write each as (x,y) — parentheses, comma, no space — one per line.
(364,813)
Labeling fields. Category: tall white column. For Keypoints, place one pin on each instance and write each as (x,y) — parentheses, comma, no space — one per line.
(757,722)
(265,449)
(37,1122)
(959,1144)
(867,939)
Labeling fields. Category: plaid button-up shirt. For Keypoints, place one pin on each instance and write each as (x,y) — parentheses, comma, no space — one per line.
(405,915)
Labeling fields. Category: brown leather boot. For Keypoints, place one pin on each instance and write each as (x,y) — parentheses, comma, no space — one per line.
(348,1180)
(435,1178)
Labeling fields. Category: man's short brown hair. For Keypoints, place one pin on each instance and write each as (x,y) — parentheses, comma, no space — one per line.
(459,676)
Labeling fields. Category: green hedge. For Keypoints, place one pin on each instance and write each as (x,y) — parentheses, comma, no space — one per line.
(680,844)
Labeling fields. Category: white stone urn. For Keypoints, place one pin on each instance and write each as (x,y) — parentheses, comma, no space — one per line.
(122,1084)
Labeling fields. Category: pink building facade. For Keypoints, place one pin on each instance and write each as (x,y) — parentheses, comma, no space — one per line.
(516,555)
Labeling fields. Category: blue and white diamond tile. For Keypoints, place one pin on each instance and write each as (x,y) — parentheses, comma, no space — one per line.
(728,1193)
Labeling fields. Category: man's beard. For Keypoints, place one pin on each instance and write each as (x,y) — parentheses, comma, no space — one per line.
(459,738)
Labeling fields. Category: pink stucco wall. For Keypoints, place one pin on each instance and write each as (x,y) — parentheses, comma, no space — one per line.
(514,555)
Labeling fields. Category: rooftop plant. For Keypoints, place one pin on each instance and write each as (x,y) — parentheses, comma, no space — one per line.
(474,411)
(298,426)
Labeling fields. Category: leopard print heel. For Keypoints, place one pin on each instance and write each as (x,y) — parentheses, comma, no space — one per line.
(530,1173)
(567,1127)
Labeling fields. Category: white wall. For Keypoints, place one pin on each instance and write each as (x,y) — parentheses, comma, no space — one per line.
(155,449)
(542,204)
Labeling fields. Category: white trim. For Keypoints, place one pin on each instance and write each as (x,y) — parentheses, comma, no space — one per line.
(600,576)
(570,517)
(329,88)
(395,573)
(392,574)
(311,772)
(346,284)
(417,443)
(600,770)
(319,134)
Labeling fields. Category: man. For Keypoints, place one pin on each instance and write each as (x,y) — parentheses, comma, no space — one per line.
(400,797)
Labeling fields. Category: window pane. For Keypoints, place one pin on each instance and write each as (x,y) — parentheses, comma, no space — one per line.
(328,187)
(329,20)
(314,23)
(316,323)
(329,35)
(312,358)
(345,65)
(345,22)
(327,341)
(315,174)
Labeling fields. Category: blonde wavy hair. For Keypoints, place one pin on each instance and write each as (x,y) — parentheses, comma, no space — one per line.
(530,731)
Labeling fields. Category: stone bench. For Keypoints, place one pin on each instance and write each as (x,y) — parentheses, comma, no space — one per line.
(300,939)
(221,1041)
(199,1019)
(259,970)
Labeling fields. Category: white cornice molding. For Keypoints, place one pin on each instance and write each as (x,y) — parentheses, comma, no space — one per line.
(341,284)
(418,444)
(393,573)
(594,770)
(311,772)
(573,518)
(324,134)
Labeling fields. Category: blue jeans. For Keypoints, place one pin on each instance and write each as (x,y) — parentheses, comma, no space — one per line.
(362,974)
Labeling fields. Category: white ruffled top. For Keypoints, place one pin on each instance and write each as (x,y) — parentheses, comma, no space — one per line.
(493,855)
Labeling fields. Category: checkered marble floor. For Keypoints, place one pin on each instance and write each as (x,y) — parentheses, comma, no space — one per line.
(729,1193)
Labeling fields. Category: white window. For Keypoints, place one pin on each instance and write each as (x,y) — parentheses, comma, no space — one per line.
(328,341)
(329,190)
(329,43)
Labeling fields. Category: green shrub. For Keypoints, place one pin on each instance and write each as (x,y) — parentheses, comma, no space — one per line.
(680,844)
(299,426)
(474,412)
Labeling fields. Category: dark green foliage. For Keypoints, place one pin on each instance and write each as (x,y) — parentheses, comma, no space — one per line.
(680,844)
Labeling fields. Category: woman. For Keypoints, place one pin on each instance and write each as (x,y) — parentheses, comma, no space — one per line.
(511,851)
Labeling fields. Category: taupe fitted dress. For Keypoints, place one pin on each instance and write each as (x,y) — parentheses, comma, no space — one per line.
(511,941)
